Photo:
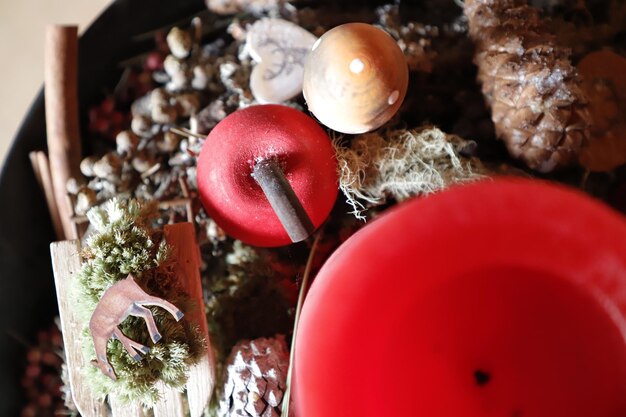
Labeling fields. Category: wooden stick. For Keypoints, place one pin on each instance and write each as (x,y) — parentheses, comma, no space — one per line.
(39,160)
(283,199)
(61,98)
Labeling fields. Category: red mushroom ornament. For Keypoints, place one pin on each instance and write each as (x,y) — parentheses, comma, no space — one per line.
(267,175)
(504,298)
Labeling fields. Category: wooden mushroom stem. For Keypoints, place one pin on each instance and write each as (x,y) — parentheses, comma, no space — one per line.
(271,178)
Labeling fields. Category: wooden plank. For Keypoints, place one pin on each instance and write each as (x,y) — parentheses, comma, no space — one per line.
(124,410)
(201,381)
(200,384)
(170,403)
(66,265)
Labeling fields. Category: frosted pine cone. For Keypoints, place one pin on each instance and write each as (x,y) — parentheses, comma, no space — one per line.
(256,372)
(534,92)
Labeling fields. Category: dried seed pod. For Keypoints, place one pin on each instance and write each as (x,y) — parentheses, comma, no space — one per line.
(141,125)
(126,142)
(141,106)
(355,78)
(201,77)
(178,82)
(143,161)
(164,113)
(179,41)
(168,142)
(159,96)
(173,65)
(108,167)
(86,166)
(188,104)
(74,185)
(85,199)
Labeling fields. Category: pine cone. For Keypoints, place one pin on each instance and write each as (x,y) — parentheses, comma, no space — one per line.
(256,372)
(537,105)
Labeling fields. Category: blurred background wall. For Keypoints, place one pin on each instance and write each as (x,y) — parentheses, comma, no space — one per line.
(22,25)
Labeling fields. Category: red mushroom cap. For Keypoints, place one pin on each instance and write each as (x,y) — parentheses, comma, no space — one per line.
(230,194)
(501,298)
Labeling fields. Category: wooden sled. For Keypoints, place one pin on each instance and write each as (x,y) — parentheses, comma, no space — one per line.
(66,264)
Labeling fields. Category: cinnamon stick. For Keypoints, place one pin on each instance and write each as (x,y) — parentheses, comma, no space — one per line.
(39,161)
(61,98)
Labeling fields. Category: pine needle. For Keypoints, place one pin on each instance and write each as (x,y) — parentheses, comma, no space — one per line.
(301,295)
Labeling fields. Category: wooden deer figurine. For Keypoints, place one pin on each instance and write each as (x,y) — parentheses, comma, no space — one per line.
(130,299)
(124,298)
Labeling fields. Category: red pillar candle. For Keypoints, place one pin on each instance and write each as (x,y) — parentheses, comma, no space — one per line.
(497,299)
(228,190)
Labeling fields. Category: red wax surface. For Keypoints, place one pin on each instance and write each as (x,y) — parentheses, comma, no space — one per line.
(230,194)
(497,299)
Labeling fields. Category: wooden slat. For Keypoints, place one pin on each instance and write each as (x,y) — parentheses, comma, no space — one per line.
(170,403)
(201,381)
(200,384)
(124,410)
(66,265)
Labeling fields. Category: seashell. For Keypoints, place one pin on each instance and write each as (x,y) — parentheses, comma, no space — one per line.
(355,78)
(279,47)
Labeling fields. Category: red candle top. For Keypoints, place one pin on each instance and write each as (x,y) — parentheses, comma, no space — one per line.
(503,298)
(230,194)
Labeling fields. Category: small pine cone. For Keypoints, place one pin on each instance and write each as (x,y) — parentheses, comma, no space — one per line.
(256,372)
(537,105)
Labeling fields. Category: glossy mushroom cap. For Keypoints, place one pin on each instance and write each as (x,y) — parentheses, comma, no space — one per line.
(355,78)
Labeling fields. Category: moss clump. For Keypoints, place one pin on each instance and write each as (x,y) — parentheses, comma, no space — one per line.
(400,164)
(125,243)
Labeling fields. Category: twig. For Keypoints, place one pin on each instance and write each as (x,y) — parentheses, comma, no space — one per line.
(303,289)
(39,161)
(184,187)
(584,179)
(150,171)
(186,133)
(61,99)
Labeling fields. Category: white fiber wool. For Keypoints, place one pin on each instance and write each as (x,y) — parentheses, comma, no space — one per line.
(402,164)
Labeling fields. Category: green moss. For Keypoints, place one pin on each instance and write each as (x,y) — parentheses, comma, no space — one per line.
(125,243)
(246,301)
